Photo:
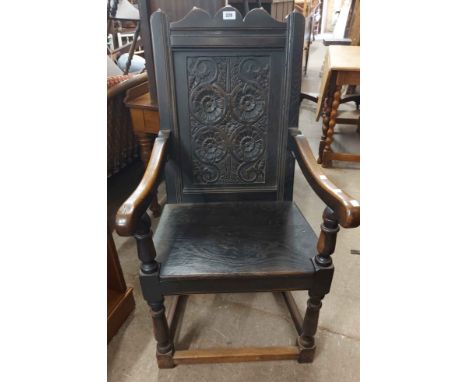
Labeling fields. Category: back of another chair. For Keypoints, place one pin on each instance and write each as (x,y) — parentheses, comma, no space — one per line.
(228,89)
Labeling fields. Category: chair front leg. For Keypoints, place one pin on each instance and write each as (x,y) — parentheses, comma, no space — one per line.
(165,346)
(323,261)
(149,276)
(306,341)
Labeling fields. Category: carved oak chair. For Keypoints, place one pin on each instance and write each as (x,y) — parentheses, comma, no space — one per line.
(229,92)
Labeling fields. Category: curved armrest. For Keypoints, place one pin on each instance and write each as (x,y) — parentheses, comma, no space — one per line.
(127,84)
(345,208)
(135,206)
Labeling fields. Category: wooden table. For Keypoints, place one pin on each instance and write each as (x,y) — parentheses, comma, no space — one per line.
(341,67)
(145,117)
(145,123)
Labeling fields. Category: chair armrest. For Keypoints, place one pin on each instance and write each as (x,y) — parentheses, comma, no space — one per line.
(127,84)
(345,208)
(136,205)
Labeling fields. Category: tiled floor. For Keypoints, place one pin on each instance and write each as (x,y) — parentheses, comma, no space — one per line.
(258,319)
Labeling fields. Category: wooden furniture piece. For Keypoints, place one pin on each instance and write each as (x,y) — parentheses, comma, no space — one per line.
(176,10)
(312,28)
(344,117)
(143,101)
(145,123)
(353,26)
(229,143)
(144,105)
(244,6)
(341,67)
(120,301)
(122,148)
(145,117)
(281,8)
(330,40)
(122,10)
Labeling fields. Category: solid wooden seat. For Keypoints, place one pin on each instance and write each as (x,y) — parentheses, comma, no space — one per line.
(252,240)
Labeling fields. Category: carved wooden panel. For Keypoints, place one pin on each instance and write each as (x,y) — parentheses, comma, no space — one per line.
(228,106)
(224,88)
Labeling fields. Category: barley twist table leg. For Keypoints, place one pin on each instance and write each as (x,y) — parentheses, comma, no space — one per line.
(325,119)
(331,126)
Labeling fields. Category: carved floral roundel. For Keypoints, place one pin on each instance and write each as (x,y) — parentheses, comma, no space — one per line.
(208,103)
(248,143)
(247,102)
(210,145)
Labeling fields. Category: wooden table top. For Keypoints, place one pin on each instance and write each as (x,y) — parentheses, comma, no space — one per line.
(338,58)
(344,57)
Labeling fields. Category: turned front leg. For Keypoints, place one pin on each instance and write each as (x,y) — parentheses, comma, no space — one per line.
(325,247)
(149,268)
(162,334)
(306,340)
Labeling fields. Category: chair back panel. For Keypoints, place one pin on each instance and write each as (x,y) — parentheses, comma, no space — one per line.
(224,89)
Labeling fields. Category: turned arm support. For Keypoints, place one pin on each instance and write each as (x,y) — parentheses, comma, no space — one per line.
(345,208)
(129,214)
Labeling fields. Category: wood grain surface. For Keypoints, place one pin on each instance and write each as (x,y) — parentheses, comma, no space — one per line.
(247,354)
(234,240)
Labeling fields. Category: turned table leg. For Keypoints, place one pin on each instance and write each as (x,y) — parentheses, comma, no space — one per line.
(331,126)
(146,142)
(325,119)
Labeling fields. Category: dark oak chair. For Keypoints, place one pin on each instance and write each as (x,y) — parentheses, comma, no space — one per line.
(229,94)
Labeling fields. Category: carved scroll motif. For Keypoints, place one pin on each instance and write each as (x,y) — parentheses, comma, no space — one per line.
(228,101)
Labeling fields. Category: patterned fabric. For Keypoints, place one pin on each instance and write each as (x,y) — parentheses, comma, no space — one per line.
(114,80)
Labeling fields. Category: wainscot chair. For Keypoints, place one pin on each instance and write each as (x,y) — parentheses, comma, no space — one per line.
(229,92)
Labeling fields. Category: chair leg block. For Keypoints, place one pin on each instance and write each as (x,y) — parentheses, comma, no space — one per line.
(165,361)
(306,355)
